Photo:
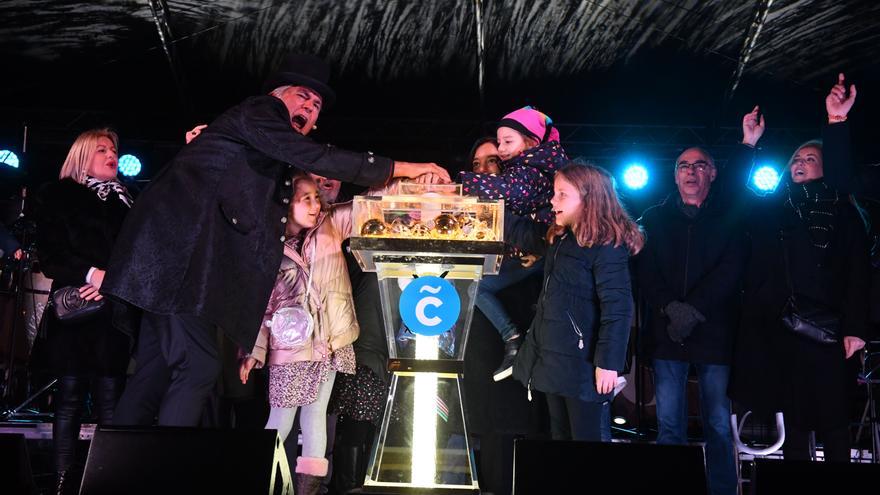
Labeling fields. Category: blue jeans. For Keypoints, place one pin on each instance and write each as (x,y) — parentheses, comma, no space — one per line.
(670,384)
(511,272)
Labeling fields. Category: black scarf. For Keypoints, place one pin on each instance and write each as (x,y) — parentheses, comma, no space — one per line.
(103,188)
(814,203)
(690,211)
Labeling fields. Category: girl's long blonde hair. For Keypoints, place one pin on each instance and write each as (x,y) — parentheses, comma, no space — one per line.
(603,219)
(76,165)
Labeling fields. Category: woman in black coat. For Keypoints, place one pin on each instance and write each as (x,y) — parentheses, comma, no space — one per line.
(577,343)
(78,218)
(807,240)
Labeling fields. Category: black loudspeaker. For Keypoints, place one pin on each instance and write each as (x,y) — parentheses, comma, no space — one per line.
(772,476)
(543,467)
(15,466)
(185,460)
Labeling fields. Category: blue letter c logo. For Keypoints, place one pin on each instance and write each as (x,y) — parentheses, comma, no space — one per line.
(429,305)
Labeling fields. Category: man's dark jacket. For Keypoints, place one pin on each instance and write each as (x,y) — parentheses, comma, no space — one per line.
(699,261)
(205,237)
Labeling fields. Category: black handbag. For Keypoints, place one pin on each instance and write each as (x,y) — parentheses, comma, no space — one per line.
(805,317)
(69,306)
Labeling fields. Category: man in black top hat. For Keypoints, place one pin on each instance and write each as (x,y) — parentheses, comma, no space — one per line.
(202,245)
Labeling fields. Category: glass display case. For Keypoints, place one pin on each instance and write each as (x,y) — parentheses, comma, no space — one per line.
(425,221)
(430,247)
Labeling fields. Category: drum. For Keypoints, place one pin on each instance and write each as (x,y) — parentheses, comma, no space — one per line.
(24,319)
(35,287)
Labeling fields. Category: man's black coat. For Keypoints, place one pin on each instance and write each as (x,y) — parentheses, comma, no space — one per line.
(205,237)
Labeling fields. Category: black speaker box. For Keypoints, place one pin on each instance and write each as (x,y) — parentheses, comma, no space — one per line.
(185,460)
(15,466)
(543,467)
(772,476)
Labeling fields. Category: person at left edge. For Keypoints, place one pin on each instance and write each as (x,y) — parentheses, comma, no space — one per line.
(78,218)
(202,249)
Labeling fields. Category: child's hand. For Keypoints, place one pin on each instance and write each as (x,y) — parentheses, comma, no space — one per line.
(528,260)
(247,364)
(605,380)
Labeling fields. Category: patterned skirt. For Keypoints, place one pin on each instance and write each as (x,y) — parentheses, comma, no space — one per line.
(360,397)
(296,384)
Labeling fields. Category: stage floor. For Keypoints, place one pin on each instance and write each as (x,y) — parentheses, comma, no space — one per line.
(39,444)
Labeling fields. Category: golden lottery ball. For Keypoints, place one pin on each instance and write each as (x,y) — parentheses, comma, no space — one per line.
(446,224)
(374,226)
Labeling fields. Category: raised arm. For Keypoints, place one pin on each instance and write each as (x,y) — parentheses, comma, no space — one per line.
(733,187)
(839,168)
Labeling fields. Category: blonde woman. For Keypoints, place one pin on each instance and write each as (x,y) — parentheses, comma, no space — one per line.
(78,218)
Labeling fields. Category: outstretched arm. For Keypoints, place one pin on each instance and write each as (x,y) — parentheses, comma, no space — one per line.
(517,186)
(268,130)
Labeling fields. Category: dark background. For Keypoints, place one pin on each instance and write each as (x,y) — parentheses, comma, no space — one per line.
(629,80)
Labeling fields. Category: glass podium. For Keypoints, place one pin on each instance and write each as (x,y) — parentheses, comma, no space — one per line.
(429,247)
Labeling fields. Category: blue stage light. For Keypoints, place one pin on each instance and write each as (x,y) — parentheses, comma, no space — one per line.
(129,165)
(635,176)
(765,179)
(9,158)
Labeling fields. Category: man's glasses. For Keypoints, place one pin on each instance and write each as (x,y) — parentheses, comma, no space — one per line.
(697,166)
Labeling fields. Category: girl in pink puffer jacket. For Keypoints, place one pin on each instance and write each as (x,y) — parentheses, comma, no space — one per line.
(308,326)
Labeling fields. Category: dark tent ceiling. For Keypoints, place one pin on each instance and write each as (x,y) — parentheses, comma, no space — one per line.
(650,74)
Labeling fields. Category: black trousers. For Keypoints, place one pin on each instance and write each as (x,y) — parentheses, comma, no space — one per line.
(574,419)
(177,366)
(69,404)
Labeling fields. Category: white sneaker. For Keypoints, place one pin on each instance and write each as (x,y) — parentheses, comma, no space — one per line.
(502,373)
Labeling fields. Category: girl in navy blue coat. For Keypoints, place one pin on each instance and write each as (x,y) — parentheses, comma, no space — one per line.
(577,344)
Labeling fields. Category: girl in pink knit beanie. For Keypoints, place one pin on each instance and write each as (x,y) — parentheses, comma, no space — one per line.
(528,144)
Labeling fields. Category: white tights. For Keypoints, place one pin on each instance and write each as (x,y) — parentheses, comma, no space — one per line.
(312,420)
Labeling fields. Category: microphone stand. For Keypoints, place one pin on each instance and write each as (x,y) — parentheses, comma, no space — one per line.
(23,269)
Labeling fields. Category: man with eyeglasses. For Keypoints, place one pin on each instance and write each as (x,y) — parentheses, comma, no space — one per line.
(689,274)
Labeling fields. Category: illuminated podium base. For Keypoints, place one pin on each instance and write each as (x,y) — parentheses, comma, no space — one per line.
(428,286)
(422,445)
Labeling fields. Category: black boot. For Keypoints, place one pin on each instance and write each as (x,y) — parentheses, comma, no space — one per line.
(307,484)
(511,347)
(65,430)
(106,391)
(347,468)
